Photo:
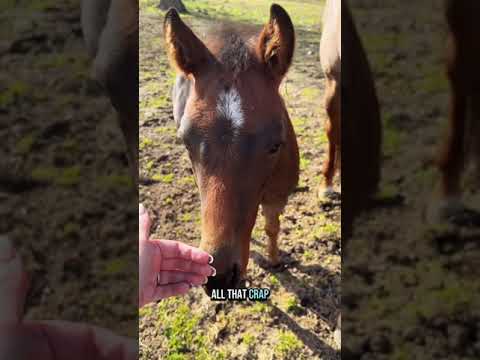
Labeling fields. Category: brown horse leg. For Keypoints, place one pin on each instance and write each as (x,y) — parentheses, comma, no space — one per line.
(452,156)
(332,104)
(272,228)
(129,126)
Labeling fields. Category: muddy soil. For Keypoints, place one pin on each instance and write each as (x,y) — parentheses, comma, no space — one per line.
(297,322)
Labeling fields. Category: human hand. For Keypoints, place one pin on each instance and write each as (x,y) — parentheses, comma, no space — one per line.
(48,340)
(168,268)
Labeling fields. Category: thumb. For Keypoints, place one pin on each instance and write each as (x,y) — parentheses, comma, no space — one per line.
(144,223)
(13,283)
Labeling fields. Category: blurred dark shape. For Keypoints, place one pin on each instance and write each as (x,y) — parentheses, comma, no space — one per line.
(462,140)
(176,4)
(361,127)
(111,35)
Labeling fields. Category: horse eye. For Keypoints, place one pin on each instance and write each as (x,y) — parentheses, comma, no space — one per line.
(274,148)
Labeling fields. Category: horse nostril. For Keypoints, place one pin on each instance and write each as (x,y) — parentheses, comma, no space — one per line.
(229,280)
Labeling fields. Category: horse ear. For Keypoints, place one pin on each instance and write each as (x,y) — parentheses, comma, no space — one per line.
(186,51)
(276,43)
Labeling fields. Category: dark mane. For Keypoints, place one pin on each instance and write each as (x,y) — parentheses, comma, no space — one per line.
(232,47)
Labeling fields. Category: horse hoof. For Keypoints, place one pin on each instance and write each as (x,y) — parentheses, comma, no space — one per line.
(452,212)
(329,194)
(275,265)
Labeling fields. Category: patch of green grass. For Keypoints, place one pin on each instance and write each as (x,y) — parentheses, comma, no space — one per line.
(145,311)
(435,82)
(25,144)
(308,255)
(184,337)
(331,228)
(14,92)
(402,353)
(257,233)
(71,229)
(76,64)
(115,266)
(7,4)
(381,60)
(70,145)
(304,163)
(311,94)
(380,42)
(304,14)
(387,192)
(115,181)
(320,137)
(248,339)
(53,61)
(186,217)
(392,141)
(149,165)
(299,125)
(166,130)
(168,201)
(150,7)
(287,344)
(41,5)
(145,142)
(187,181)
(166,179)
(68,176)
(289,303)
(155,102)
(274,280)
(259,308)
(292,305)
(426,177)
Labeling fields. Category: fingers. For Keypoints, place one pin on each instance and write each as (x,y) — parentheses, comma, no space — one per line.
(175,249)
(13,283)
(173,277)
(187,266)
(61,340)
(144,223)
(165,291)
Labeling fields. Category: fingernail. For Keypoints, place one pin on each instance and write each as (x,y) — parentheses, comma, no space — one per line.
(141,209)
(214,271)
(205,281)
(210,259)
(6,248)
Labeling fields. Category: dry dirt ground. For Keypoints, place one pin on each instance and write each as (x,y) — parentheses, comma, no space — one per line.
(297,322)
(64,183)
(419,282)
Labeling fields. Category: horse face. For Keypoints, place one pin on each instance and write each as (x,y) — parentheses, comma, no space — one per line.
(232,120)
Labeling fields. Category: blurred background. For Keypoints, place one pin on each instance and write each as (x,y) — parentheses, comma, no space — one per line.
(66,197)
(409,286)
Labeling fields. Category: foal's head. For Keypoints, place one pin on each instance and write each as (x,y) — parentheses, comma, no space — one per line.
(233,122)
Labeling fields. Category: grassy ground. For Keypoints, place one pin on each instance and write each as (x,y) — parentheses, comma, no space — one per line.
(297,322)
(419,282)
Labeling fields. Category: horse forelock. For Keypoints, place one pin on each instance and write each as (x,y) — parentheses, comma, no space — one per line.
(233,48)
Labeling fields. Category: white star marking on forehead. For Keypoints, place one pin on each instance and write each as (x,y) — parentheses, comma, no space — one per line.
(230,106)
